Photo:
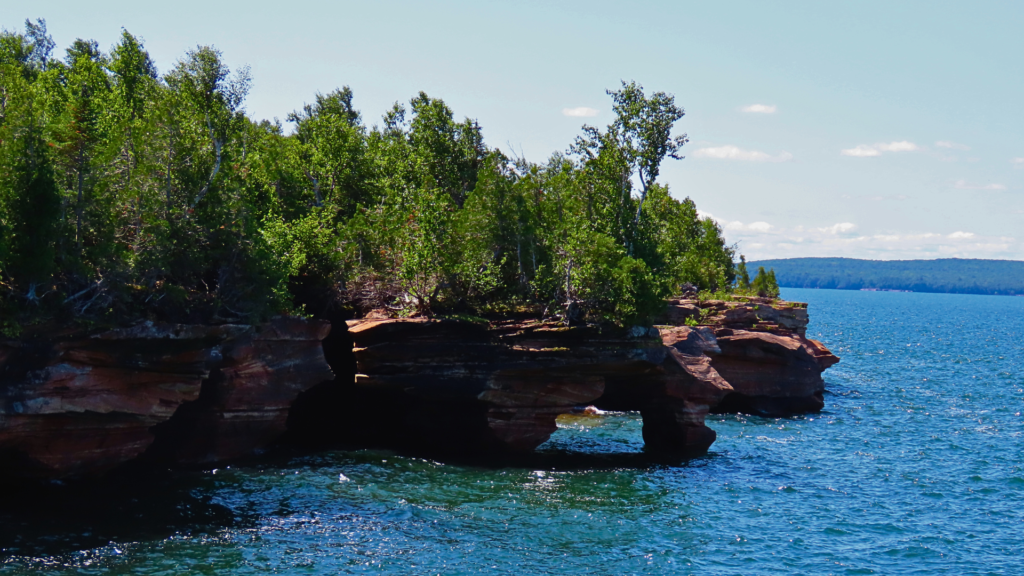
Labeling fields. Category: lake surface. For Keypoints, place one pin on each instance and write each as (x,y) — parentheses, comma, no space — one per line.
(916,466)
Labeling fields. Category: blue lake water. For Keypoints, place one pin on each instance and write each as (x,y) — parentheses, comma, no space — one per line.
(916,466)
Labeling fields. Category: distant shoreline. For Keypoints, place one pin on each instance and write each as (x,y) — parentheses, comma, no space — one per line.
(898,291)
(941,276)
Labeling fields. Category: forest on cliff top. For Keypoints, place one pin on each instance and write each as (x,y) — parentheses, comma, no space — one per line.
(128,194)
(947,275)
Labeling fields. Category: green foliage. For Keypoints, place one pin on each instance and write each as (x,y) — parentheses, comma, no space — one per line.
(742,276)
(764,284)
(32,213)
(125,194)
(691,249)
(637,296)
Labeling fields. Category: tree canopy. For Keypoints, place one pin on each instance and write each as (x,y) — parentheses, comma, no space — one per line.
(129,194)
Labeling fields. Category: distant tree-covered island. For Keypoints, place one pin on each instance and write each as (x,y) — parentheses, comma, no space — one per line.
(950,275)
(128,194)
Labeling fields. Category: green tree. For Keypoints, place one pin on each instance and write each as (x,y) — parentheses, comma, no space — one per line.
(331,152)
(635,144)
(765,284)
(204,84)
(742,276)
(33,211)
(126,195)
(41,44)
(79,132)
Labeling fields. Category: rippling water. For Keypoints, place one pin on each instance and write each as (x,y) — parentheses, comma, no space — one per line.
(916,466)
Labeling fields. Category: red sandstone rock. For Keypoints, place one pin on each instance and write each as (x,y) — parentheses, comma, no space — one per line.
(772,374)
(522,375)
(761,314)
(677,312)
(84,404)
(522,429)
(689,386)
(764,354)
(77,405)
(244,405)
(73,405)
(502,385)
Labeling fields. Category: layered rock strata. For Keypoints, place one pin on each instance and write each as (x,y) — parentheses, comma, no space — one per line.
(78,404)
(764,354)
(74,404)
(244,404)
(501,386)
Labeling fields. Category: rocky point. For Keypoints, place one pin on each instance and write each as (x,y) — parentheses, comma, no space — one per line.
(78,404)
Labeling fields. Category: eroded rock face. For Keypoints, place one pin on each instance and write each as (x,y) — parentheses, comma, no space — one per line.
(473,387)
(75,404)
(244,405)
(760,314)
(773,375)
(762,351)
(690,386)
(78,404)
(764,354)
(502,386)
(462,386)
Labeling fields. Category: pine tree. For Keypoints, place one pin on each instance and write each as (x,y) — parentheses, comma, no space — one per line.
(33,204)
(742,276)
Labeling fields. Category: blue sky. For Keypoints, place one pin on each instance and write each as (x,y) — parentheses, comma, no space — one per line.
(865,129)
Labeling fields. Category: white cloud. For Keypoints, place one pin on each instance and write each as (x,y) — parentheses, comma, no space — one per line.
(861,151)
(901,146)
(1017,161)
(736,225)
(965,185)
(580,112)
(866,150)
(951,145)
(735,153)
(760,240)
(760,108)
(841,228)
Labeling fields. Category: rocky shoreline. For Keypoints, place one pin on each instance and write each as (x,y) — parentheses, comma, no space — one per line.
(78,405)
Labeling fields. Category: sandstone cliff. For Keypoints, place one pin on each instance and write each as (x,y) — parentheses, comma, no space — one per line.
(500,386)
(79,404)
(73,403)
(764,354)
